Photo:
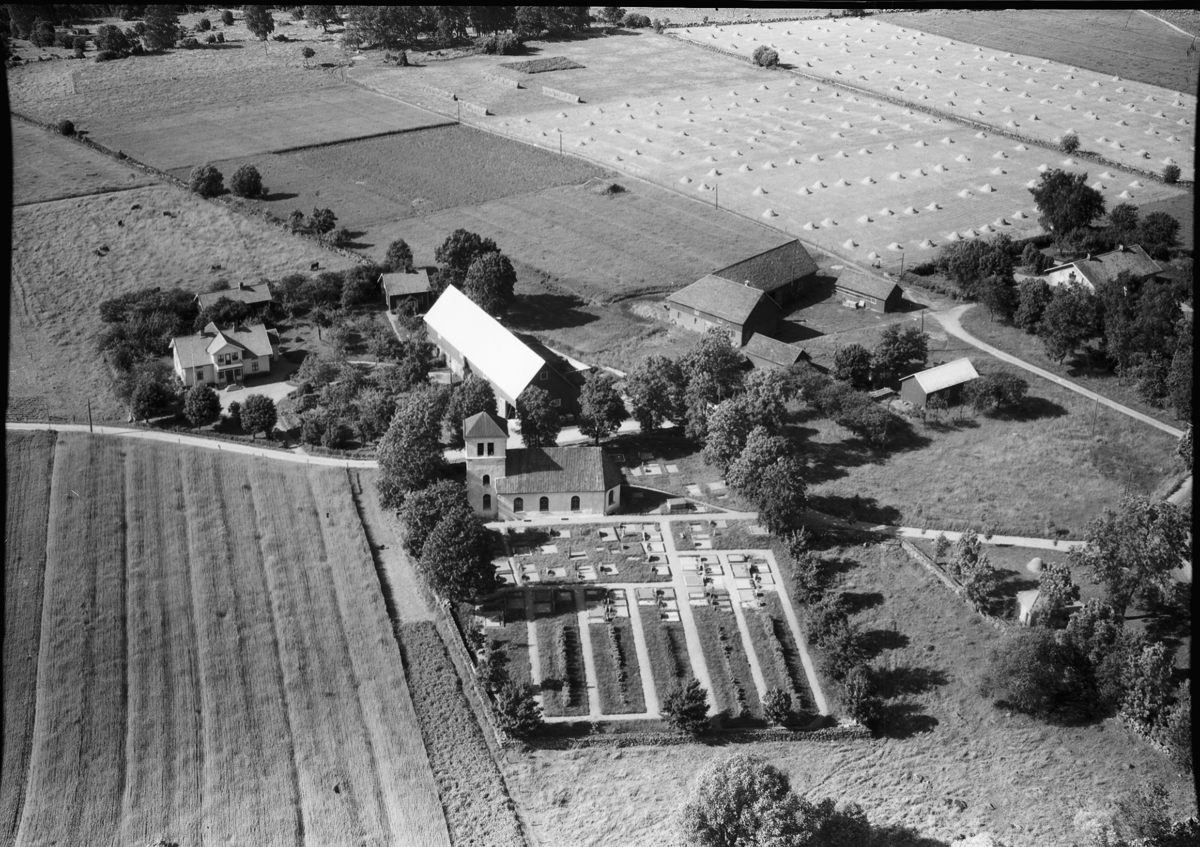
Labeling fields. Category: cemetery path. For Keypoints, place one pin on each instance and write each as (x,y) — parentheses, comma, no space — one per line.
(739,614)
(690,632)
(589,660)
(951,322)
(535,660)
(649,693)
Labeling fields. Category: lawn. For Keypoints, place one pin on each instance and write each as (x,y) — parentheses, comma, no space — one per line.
(728,667)
(667,645)
(618,673)
(1018,778)
(1109,41)
(1030,348)
(59,280)
(194,603)
(560,650)
(50,167)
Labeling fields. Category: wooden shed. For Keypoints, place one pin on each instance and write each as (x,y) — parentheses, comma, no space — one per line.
(870,292)
(947,380)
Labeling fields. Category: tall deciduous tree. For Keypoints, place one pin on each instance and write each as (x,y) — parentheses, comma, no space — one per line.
(540,420)
(399,256)
(761,451)
(655,390)
(602,410)
(490,282)
(455,255)
(714,357)
(1066,202)
(162,27)
(1179,379)
(1032,297)
(517,712)
(852,364)
(686,708)
(728,428)
(469,397)
(201,405)
(410,454)
(456,557)
(258,414)
(259,21)
(899,352)
(1132,550)
(321,16)
(422,510)
(765,398)
(1068,320)
(782,496)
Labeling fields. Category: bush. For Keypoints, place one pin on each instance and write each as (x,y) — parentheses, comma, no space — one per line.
(42,34)
(66,127)
(858,690)
(189,44)
(206,180)
(66,39)
(80,45)
(247,182)
(227,18)
(517,712)
(107,56)
(341,237)
(234,414)
(686,708)
(1171,174)
(220,38)
(1069,143)
(765,57)
(777,706)
(633,20)
(212,39)
(205,25)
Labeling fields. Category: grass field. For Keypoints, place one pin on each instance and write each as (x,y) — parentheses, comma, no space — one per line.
(1109,41)
(58,280)
(206,667)
(50,167)
(29,462)
(1029,348)
(1020,779)
(613,654)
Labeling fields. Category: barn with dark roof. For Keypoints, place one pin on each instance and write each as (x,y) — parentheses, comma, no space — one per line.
(712,301)
(870,292)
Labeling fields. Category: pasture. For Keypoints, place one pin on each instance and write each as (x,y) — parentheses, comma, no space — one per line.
(1129,122)
(1108,41)
(214,658)
(1020,779)
(50,167)
(172,240)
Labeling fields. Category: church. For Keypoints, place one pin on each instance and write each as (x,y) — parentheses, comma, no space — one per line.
(504,484)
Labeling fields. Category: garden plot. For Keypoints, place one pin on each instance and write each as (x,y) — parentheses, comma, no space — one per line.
(859,177)
(1133,123)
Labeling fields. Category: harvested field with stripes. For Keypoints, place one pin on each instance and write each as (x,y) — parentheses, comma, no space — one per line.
(215,659)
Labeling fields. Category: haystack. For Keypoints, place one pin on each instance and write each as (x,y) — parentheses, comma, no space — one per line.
(828,222)
(769,213)
(759,192)
(885,212)
(909,210)
(818,184)
(849,244)
(864,219)
(926,244)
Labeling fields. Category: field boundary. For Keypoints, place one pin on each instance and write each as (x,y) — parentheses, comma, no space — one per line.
(966,122)
(918,555)
(384,134)
(98,192)
(841,732)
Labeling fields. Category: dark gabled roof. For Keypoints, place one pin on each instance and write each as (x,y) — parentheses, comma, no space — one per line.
(772,350)
(771,269)
(857,282)
(400,284)
(249,294)
(485,425)
(557,470)
(1105,266)
(720,297)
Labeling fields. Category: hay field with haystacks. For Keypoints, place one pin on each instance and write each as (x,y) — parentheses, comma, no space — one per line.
(213,660)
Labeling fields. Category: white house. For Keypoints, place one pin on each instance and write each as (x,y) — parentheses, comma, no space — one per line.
(224,356)
(1093,270)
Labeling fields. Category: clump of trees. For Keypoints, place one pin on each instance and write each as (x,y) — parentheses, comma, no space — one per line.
(476,266)
(540,420)
(247,182)
(206,180)
(765,57)
(412,27)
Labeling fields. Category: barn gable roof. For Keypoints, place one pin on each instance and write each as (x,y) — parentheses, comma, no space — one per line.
(771,269)
(858,282)
(492,350)
(1102,267)
(557,470)
(720,297)
(251,295)
(400,284)
(772,350)
(944,376)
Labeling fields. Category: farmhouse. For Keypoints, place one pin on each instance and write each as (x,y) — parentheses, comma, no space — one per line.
(946,380)
(1093,270)
(739,309)
(224,356)
(258,297)
(474,342)
(869,292)
(779,273)
(399,288)
(509,484)
(764,352)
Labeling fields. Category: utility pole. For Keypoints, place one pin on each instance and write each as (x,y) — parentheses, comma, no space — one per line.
(90,429)
(717,188)
(1095,412)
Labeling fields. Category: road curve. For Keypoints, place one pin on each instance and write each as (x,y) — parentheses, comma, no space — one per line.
(951,322)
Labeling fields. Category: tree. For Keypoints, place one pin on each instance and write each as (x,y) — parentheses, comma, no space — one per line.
(540,421)
(110,37)
(1095,639)
(1123,222)
(686,708)
(602,411)
(969,262)
(654,387)
(1184,449)
(1171,174)
(782,496)
(1069,143)
(745,474)
(42,34)
(162,27)
(322,221)
(21,18)
(858,693)
(1175,731)
(247,182)
(1032,297)
(410,454)
(1068,321)
(147,388)
(423,510)
(1029,670)
(206,181)
(728,429)
(765,398)
(714,357)
(979,581)
(258,414)
(201,405)
(998,390)
(1142,818)
(374,410)
(612,15)
(777,706)
(455,255)
(1179,378)
(1066,202)
(999,295)
(1147,686)
(457,556)
(1133,550)
(517,712)
(1057,592)
(469,397)
(490,282)
(899,353)
(321,16)
(528,21)
(399,257)
(259,21)
(492,667)
(852,364)
(765,57)
(227,17)
(1158,232)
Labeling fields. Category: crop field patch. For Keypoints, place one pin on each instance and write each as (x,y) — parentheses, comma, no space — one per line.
(541,66)
(59,280)
(242,715)
(1109,41)
(50,167)
(1128,122)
